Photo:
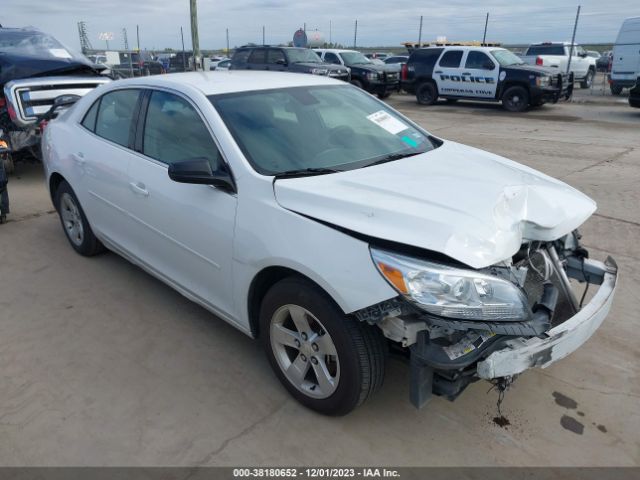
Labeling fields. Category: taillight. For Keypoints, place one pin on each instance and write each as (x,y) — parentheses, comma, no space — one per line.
(404,71)
(43,124)
(539,61)
(3,102)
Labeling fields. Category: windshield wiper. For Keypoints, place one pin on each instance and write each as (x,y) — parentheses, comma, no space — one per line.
(392,157)
(304,172)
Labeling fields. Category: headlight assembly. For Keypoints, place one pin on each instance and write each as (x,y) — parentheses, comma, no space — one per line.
(372,75)
(452,292)
(543,81)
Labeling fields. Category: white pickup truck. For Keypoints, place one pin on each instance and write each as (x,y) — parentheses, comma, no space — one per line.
(556,56)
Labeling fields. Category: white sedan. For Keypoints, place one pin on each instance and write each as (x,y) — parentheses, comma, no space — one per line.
(311,215)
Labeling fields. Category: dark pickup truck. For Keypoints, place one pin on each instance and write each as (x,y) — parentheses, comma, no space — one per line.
(284,59)
(381,80)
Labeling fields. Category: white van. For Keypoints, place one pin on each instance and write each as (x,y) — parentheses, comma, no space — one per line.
(626,56)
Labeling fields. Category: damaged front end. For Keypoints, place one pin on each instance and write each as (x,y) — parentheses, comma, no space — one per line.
(459,325)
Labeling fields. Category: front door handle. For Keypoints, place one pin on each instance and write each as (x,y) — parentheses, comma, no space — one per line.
(139,189)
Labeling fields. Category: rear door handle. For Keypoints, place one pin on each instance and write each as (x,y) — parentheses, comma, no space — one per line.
(79,158)
(139,189)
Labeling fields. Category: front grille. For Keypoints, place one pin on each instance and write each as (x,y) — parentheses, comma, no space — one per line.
(33,97)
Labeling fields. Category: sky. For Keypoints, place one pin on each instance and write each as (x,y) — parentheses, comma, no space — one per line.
(388,23)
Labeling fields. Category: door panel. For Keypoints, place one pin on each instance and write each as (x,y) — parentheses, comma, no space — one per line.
(102,160)
(447,74)
(183,232)
(480,75)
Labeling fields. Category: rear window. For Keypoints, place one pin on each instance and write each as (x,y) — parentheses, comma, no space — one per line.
(241,56)
(546,50)
(451,59)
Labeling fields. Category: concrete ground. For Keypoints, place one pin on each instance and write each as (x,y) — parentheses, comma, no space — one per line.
(101,364)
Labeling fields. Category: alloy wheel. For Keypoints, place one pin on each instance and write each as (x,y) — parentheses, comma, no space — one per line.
(305,351)
(71,219)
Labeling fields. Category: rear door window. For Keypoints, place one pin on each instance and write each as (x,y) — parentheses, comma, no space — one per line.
(451,59)
(89,121)
(115,116)
(275,56)
(258,56)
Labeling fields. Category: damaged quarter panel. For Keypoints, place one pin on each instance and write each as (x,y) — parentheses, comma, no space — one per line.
(471,205)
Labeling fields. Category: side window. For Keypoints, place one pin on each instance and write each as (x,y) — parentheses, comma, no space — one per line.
(89,121)
(174,132)
(425,56)
(115,116)
(479,61)
(241,56)
(451,59)
(258,56)
(275,56)
(330,57)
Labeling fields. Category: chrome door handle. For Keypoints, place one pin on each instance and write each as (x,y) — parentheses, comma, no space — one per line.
(139,189)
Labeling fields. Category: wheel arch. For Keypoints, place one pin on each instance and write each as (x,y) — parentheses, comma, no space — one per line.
(513,83)
(54,182)
(260,285)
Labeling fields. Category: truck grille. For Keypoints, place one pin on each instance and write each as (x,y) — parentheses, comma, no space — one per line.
(391,76)
(34,96)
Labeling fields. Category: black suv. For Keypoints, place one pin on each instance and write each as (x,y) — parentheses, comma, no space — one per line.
(374,78)
(634,95)
(284,59)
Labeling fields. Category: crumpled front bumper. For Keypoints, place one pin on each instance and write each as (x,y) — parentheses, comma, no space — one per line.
(520,354)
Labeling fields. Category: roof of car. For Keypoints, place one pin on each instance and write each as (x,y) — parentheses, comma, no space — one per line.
(230,81)
(463,47)
(334,50)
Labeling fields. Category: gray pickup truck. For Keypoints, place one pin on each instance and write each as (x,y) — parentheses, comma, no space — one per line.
(556,56)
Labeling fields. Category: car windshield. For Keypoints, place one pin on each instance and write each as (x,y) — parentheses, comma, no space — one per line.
(322,128)
(32,43)
(302,55)
(354,58)
(506,58)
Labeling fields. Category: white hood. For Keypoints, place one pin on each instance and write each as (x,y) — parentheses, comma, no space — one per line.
(471,205)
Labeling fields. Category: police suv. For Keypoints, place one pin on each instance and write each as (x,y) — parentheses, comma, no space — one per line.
(480,73)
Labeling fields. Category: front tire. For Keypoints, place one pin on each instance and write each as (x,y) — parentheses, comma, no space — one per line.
(515,99)
(328,361)
(74,222)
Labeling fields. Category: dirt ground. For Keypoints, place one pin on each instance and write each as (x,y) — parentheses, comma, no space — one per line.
(101,364)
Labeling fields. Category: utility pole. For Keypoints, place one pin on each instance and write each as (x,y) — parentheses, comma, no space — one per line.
(195,41)
(330,40)
(305,27)
(184,55)
(420,33)
(486,22)
(263,42)
(355,35)
(138,36)
(227,41)
(573,40)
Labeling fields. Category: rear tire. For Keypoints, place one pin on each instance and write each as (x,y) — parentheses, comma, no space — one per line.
(303,332)
(427,93)
(74,222)
(515,99)
(9,166)
(588,80)
(616,89)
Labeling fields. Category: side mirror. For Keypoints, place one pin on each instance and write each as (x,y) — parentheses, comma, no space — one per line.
(281,61)
(60,102)
(198,171)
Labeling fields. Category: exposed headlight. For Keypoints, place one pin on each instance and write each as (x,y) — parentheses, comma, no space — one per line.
(319,71)
(543,81)
(452,292)
(372,75)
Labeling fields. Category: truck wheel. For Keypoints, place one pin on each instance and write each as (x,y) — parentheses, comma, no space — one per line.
(9,166)
(427,93)
(588,80)
(74,222)
(616,89)
(328,361)
(356,83)
(515,99)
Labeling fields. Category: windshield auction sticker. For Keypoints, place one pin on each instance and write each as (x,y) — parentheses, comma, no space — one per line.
(386,121)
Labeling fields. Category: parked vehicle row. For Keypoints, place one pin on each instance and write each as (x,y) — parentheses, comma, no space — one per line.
(316,218)
(625,66)
(481,73)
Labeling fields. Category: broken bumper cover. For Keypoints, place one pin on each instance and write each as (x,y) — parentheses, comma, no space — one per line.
(520,354)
